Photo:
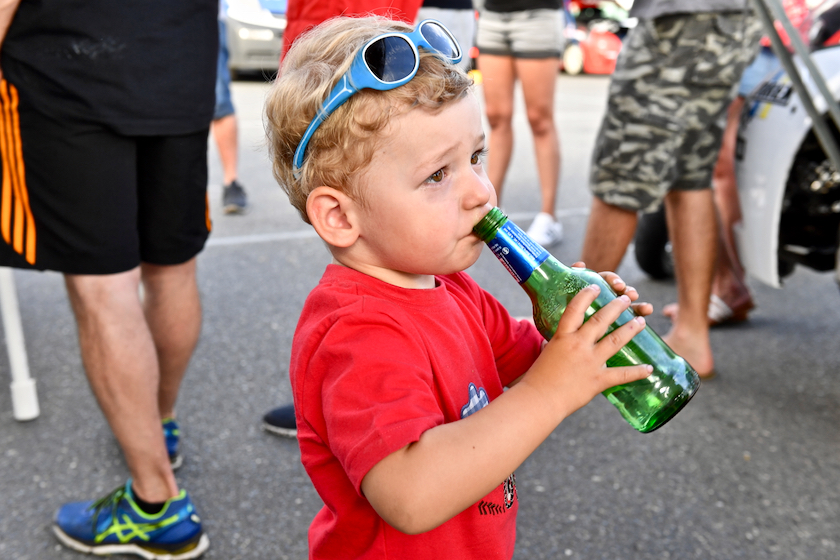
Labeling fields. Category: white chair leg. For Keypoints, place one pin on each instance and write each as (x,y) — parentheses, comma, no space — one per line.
(24,394)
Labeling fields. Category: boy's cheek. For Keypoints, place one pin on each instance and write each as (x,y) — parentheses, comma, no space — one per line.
(476,253)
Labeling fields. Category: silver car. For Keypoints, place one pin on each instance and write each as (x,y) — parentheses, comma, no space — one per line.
(255,35)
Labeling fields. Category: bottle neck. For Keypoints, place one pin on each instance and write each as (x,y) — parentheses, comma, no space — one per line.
(518,253)
(490,224)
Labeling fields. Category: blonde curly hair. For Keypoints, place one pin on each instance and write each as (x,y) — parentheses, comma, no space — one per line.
(345,143)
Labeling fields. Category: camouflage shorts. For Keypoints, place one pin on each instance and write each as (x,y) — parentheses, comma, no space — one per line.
(673,83)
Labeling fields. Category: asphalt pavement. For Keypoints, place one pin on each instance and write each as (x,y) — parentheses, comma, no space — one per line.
(748,470)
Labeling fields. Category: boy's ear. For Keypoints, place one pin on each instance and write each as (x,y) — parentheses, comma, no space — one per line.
(331,213)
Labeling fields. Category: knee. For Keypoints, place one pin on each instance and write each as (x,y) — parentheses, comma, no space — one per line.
(499,118)
(541,121)
(161,277)
(100,295)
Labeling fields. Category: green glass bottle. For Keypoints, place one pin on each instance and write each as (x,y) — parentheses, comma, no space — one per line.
(646,404)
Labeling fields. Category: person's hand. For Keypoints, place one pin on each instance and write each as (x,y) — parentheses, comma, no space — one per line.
(572,369)
(621,288)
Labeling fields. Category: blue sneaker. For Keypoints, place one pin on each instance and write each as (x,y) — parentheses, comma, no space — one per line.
(172,433)
(116,525)
(281,421)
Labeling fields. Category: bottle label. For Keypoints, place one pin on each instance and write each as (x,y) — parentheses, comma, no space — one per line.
(518,253)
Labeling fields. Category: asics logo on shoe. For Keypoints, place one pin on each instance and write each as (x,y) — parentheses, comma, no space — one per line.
(128,529)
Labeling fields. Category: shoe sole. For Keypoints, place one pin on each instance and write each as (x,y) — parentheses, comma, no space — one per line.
(105,550)
(284,432)
(235,209)
(176,462)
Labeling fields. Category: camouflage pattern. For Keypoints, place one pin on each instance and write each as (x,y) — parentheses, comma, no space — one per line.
(673,82)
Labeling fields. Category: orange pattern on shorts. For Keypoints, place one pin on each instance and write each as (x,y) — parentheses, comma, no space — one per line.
(16,223)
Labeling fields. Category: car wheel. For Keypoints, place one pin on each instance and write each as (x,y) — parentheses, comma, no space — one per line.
(652,247)
(573,59)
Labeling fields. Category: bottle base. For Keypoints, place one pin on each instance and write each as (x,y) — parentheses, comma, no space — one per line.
(666,414)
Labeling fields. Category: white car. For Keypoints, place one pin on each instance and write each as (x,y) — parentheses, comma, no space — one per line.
(255,35)
(789,191)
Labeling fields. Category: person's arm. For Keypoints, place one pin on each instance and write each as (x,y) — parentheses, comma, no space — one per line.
(7,12)
(464,460)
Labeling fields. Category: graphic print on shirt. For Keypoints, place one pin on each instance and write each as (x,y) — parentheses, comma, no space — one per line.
(478,400)
(510,490)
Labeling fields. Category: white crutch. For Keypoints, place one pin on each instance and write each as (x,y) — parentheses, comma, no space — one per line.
(24,395)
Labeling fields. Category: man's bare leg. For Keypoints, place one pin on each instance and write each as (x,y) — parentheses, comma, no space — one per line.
(729,282)
(121,361)
(730,278)
(692,227)
(608,234)
(172,309)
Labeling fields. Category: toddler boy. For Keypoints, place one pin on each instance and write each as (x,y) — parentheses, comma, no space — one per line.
(399,359)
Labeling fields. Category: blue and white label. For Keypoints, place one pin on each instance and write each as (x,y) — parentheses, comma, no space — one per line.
(520,255)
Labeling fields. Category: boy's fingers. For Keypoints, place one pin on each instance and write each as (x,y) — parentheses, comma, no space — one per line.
(631,292)
(612,279)
(572,318)
(600,321)
(613,376)
(642,308)
(616,340)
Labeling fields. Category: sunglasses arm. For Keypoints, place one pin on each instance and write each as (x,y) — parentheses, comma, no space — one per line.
(342,91)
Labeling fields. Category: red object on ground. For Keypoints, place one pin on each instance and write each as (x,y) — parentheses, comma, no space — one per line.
(600,51)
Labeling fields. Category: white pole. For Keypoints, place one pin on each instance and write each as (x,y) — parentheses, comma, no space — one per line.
(24,395)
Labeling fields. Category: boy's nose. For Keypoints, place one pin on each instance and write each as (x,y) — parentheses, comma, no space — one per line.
(480,191)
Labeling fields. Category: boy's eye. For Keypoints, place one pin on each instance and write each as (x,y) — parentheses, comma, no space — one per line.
(478,156)
(436,177)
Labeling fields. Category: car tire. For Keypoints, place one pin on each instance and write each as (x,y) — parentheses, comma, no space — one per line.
(652,246)
(573,59)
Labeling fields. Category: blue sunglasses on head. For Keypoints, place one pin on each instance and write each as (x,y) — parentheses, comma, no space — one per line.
(383,63)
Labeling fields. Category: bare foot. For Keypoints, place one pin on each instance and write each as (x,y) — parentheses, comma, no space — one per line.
(720,313)
(698,354)
(671,311)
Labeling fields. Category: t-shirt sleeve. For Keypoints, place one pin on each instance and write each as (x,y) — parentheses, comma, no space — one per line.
(376,390)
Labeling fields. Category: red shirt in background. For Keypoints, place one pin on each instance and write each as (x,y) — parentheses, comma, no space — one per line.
(305,14)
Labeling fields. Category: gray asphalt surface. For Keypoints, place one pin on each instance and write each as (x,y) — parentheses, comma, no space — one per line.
(749,470)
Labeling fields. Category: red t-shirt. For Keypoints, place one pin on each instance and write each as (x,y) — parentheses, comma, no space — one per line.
(373,367)
(302,15)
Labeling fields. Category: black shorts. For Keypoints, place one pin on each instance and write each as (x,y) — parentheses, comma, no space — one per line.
(79,198)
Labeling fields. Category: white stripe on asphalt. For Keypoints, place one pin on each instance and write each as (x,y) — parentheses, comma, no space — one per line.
(310,233)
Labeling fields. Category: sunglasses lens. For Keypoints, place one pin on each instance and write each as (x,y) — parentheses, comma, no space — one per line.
(440,40)
(390,59)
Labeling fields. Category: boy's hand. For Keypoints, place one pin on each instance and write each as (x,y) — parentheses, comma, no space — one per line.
(621,288)
(572,369)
